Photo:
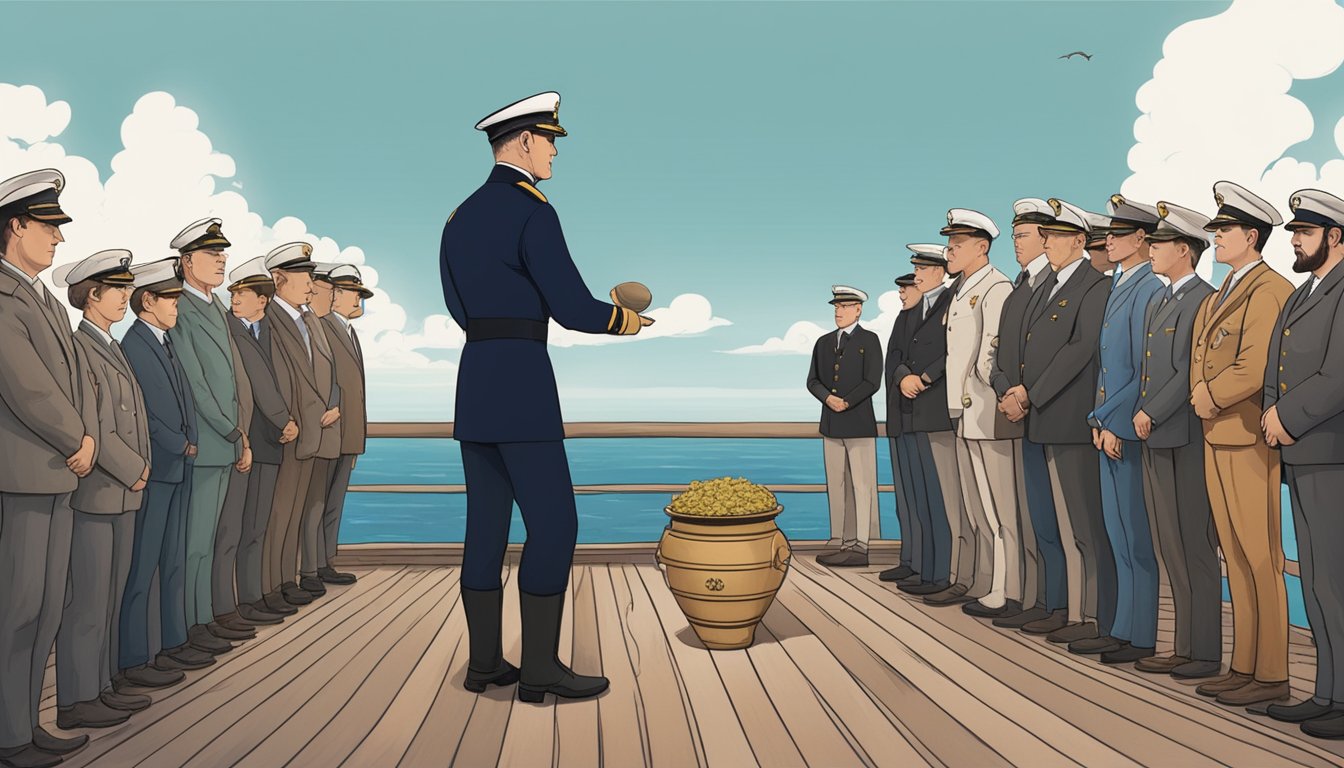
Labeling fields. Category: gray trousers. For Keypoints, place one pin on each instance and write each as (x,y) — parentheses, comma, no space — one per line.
(851,490)
(1188,541)
(314,509)
(251,542)
(331,517)
(1075,482)
(35,533)
(961,569)
(228,536)
(1316,492)
(100,562)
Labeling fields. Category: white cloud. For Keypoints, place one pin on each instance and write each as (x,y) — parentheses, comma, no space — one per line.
(802,335)
(1190,137)
(164,178)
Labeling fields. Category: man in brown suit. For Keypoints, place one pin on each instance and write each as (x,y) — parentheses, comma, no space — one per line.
(348,294)
(311,531)
(304,372)
(48,420)
(1227,377)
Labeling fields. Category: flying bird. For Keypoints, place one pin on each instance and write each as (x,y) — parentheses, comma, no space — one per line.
(1087,56)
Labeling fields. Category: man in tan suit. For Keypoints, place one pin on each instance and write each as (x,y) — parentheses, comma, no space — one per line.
(348,295)
(103,538)
(305,377)
(48,419)
(1227,377)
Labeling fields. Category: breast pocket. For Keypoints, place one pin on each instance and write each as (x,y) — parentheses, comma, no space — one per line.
(1224,335)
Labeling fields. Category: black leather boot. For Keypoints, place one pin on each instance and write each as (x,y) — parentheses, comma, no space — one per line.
(542,671)
(487,665)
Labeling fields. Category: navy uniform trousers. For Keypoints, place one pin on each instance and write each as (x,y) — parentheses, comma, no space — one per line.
(1052,591)
(160,547)
(931,534)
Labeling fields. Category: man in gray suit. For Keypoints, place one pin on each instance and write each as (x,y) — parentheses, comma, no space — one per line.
(1304,418)
(48,420)
(312,537)
(348,295)
(1173,451)
(201,338)
(272,426)
(1059,369)
(103,537)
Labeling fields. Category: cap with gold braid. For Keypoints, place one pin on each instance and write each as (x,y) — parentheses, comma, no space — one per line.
(291,257)
(1238,205)
(110,267)
(158,277)
(928,255)
(199,236)
(535,113)
(1066,219)
(1128,217)
(964,221)
(1032,210)
(843,294)
(252,272)
(35,194)
(1177,223)
(347,276)
(1315,208)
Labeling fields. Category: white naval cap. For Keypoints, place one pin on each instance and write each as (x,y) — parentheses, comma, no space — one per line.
(540,112)
(1098,225)
(291,257)
(928,254)
(35,194)
(1177,222)
(110,267)
(841,293)
(1032,210)
(347,276)
(964,221)
(1315,208)
(1066,218)
(1127,216)
(199,235)
(158,276)
(250,272)
(322,270)
(1238,205)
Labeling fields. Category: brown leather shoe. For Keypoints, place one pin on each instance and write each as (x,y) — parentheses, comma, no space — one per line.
(1160,665)
(1254,692)
(950,596)
(1083,630)
(845,558)
(1229,682)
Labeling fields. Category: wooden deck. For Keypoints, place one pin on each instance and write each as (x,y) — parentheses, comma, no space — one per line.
(845,671)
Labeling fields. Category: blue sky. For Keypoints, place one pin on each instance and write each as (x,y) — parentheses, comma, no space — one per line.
(750,153)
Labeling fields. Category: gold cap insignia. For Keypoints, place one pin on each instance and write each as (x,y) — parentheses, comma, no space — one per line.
(1162,210)
(58,183)
(213,229)
(1055,206)
(555,114)
(307,250)
(1218,197)
(1117,200)
(1295,202)
(949,217)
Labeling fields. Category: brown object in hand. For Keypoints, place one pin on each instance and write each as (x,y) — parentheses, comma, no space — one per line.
(635,296)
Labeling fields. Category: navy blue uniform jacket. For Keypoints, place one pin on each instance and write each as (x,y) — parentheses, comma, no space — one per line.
(503,256)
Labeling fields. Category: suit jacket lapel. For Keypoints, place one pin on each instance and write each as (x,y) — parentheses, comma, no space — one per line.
(1065,292)
(1121,292)
(1240,292)
(100,344)
(287,326)
(207,311)
(1327,285)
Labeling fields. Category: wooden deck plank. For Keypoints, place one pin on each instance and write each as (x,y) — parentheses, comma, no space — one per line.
(248,719)
(176,709)
(347,708)
(529,739)
(765,729)
(622,724)
(720,729)
(577,741)
(483,739)
(389,739)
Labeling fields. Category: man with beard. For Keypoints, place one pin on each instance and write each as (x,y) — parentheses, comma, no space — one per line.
(1227,376)
(1042,553)
(1304,418)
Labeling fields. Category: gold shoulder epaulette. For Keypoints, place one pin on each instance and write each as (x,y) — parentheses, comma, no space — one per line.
(533,190)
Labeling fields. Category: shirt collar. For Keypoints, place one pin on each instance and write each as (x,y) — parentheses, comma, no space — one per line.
(159,333)
(345,323)
(1176,286)
(289,310)
(104,335)
(850,328)
(530,178)
(1064,274)
(207,298)
(19,273)
(1240,273)
(933,295)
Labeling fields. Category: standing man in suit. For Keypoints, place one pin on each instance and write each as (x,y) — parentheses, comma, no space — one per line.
(1059,370)
(251,291)
(909,516)
(506,271)
(303,371)
(1127,630)
(846,372)
(917,381)
(201,338)
(1173,451)
(103,537)
(1227,377)
(348,295)
(1304,418)
(1044,576)
(160,533)
(988,456)
(48,421)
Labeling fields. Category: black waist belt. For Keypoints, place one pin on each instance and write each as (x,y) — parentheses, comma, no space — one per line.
(482,329)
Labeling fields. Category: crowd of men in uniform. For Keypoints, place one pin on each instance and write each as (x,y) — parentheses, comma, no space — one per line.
(1059,438)
(165,494)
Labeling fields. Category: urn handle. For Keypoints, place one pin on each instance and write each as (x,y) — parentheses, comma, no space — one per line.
(783,554)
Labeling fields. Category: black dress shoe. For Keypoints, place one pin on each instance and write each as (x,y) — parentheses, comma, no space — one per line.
(1127,654)
(333,576)
(1091,645)
(1299,712)
(55,744)
(253,615)
(276,603)
(1195,670)
(145,676)
(234,622)
(199,637)
(1329,726)
(923,588)
(1010,608)
(897,573)
(183,657)
(845,558)
(294,595)
(89,714)
(476,682)
(224,633)
(950,596)
(1083,630)
(1055,621)
(128,702)
(27,756)
(313,586)
(1020,620)
(980,610)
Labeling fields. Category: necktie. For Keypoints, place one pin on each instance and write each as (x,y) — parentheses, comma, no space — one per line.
(1166,297)
(1021,278)
(168,346)
(1227,290)
(256,330)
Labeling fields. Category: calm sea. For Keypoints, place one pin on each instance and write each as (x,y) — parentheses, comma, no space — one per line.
(620,518)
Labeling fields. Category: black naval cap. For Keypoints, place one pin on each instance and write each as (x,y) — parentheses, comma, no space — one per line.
(906,281)
(535,113)
(35,194)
